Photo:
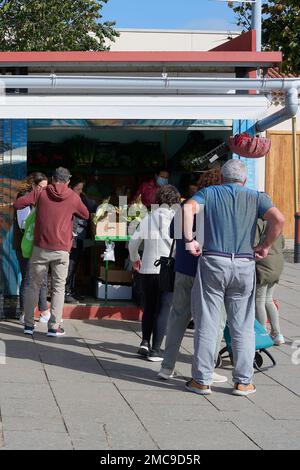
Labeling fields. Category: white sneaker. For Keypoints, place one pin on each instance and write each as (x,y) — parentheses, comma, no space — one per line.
(166,374)
(45,317)
(278,340)
(219,379)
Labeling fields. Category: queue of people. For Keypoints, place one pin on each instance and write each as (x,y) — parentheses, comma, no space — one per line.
(216,278)
(228,237)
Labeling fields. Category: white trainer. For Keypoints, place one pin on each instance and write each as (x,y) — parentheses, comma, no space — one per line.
(45,316)
(166,374)
(219,379)
(278,340)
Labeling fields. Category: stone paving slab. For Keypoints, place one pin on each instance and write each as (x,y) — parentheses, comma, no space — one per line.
(38,423)
(36,440)
(93,375)
(214,435)
(131,435)
(177,413)
(171,397)
(17,375)
(272,435)
(278,402)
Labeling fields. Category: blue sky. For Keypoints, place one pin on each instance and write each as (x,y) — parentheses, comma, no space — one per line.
(170,14)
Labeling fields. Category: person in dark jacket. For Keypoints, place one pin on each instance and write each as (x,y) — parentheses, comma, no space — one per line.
(268,272)
(80,229)
(56,207)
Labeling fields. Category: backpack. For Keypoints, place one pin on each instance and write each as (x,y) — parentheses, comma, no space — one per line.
(28,237)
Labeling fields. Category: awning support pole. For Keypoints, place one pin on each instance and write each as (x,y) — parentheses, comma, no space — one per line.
(296,192)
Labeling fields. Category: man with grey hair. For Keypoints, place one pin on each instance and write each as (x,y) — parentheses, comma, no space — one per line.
(55,206)
(226,272)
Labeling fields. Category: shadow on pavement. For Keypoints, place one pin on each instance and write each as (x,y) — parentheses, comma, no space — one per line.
(55,352)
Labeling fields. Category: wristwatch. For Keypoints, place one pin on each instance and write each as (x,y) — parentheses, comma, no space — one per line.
(189,241)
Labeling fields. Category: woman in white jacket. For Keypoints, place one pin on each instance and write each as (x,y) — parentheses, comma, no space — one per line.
(153,231)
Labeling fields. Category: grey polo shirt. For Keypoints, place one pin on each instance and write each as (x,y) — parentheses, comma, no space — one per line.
(230,217)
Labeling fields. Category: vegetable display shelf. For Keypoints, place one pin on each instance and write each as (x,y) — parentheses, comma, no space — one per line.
(109,239)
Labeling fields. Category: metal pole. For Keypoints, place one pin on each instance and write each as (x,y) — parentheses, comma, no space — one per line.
(296,193)
(295,165)
(257,22)
(297,238)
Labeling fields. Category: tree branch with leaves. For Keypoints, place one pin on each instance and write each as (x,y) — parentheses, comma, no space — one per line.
(280,28)
(56,25)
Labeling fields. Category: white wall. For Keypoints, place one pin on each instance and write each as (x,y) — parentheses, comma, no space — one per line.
(169,40)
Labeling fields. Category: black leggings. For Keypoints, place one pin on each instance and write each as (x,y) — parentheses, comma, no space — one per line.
(156,310)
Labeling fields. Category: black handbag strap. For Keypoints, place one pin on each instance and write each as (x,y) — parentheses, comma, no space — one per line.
(163,239)
(158,261)
(172,248)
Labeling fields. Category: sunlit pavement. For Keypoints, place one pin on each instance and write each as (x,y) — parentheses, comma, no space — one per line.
(90,390)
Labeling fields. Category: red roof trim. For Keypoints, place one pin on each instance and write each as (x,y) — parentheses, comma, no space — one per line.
(141,56)
(243,42)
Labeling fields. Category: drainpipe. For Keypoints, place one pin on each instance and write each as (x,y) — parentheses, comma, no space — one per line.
(147,83)
(289,111)
(151,84)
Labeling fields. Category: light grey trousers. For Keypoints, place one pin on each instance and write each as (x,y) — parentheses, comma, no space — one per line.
(179,318)
(232,281)
(265,308)
(39,264)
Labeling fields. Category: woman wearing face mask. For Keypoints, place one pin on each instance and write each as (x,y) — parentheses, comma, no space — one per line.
(34,180)
(147,190)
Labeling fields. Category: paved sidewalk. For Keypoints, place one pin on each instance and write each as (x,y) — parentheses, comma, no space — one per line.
(90,390)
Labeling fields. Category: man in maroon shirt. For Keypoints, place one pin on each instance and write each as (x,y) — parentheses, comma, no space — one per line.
(148,189)
(56,206)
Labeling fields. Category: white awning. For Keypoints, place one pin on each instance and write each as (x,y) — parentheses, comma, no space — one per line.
(133,107)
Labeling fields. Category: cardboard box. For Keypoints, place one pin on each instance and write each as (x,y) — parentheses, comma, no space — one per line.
(117,276)
(108,227)
(114,292)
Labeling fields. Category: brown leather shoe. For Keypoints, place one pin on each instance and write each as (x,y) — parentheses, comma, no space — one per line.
(243,390)
(194,387)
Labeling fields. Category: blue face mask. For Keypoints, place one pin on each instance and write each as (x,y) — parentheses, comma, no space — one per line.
(162,181)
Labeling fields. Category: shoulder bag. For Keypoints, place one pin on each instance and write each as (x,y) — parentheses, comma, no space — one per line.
(167,267)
